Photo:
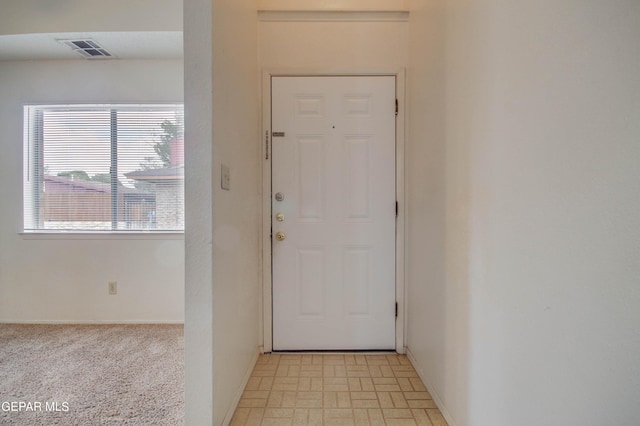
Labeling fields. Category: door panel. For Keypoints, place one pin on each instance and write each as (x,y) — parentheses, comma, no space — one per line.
(334,271)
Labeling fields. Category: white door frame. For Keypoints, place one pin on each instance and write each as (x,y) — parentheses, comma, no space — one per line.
(265,226)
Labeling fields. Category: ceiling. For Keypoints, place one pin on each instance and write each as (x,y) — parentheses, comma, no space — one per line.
(122,45)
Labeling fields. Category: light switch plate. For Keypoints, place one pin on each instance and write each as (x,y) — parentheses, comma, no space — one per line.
(225,177)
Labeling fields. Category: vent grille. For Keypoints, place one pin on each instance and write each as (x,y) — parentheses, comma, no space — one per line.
(87,48)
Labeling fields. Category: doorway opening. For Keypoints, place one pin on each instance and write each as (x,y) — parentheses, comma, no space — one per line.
(333,198)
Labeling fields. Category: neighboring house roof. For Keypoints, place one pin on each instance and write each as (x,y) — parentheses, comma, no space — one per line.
(65,183)
(165,173)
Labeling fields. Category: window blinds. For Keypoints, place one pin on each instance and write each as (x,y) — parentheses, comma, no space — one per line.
(104,168)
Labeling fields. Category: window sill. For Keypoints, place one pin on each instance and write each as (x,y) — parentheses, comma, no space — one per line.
(71,235)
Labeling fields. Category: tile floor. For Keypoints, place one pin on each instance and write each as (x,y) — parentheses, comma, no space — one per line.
(309,389)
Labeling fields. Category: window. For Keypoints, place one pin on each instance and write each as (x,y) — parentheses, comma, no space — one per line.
(103,168)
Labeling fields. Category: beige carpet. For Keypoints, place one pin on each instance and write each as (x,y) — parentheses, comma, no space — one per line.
(91,375)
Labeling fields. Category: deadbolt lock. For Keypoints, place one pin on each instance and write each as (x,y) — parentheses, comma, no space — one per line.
(280,217)
(280,236)
(279,196)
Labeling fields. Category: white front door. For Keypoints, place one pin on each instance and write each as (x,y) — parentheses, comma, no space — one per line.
(333,212)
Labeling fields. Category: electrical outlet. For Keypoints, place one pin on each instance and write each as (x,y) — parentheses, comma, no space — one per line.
(113,287)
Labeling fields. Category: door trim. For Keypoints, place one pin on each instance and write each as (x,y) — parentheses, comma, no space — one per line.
(265,222)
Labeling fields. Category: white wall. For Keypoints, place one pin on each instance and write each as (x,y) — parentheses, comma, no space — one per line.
(333,5)
(437,215)
(37,16)
(327,45)
(535,300)
(236,143)
(198,103)
(299,35)
(223,290)
(65,279)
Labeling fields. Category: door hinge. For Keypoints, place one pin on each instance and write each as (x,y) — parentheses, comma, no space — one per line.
(396,107)
(396,309)
(266,145)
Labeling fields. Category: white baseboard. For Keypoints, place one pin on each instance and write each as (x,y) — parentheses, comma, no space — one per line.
(434,394)
(240,391)
(90,322)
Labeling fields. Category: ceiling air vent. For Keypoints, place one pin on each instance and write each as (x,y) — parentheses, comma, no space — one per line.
(87,48)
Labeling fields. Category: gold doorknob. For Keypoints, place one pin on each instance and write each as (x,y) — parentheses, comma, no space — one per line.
(280,236)
(280,217)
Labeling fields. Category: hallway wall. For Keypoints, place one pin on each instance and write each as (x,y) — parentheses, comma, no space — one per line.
(325,45)
(222,237)
(522,184)
(523,301)
(437,216)
(236,260)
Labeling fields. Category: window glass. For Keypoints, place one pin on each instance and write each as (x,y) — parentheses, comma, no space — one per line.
(104,168)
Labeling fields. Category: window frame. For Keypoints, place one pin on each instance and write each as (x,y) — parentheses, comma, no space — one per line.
(33,175)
